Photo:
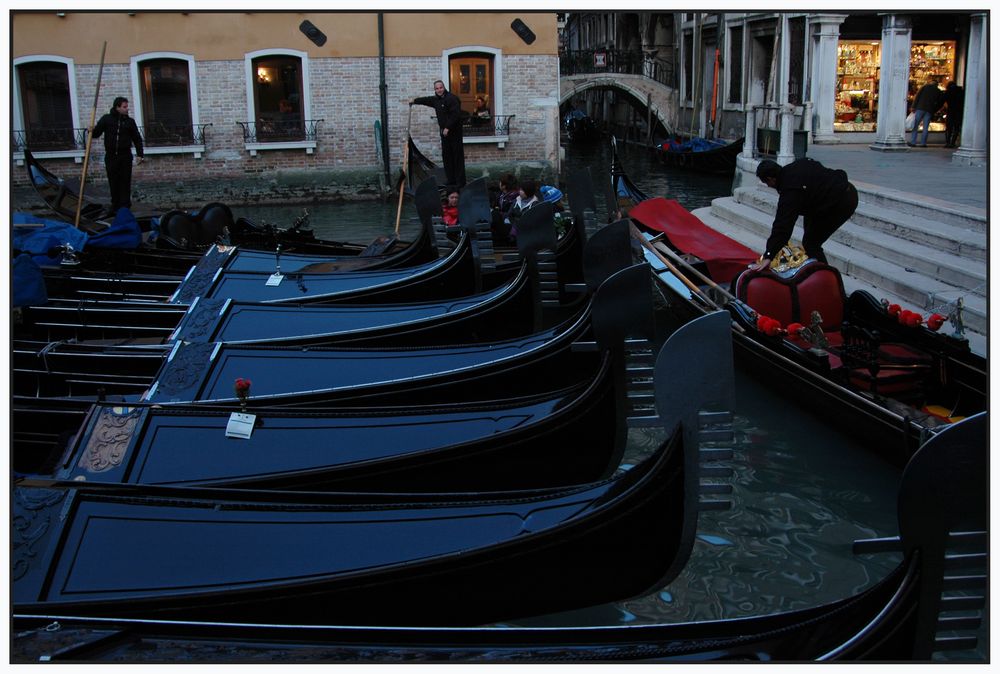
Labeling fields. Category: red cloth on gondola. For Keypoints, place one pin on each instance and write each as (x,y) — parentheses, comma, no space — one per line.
(724,257)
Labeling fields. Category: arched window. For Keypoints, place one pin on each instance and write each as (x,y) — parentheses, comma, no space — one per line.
(165,99)
(278,101)
(45,109)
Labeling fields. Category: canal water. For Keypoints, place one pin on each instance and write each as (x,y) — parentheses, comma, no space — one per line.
(803,491)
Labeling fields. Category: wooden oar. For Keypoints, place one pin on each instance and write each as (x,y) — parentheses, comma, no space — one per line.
(90,137)
(406,159)
(701,277)
(637,235)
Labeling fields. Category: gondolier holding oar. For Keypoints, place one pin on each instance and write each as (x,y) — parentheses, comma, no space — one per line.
(120,134)
(823,196)
(449,118)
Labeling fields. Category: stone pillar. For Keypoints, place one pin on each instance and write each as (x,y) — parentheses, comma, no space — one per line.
(890,134)
(786,120)
(750,135)
(975,122)
(823,73)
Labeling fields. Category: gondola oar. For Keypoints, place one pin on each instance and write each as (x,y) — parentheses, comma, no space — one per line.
(90,137)
(637,235)
(406,159)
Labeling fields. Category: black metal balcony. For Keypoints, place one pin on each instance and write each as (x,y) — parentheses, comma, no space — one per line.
(171,135)
(498,125)
(596,61)
(49,139)
(279,130)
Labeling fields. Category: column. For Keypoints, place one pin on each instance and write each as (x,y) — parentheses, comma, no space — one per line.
(823,75)
(786,120)
(890,132)
(975,122)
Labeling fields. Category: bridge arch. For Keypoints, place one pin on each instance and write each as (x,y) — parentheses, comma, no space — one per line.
(647,92)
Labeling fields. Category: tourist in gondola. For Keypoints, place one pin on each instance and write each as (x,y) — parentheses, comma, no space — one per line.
(823,196)
(449,211)
(120,134)
(448,109)
(527,198)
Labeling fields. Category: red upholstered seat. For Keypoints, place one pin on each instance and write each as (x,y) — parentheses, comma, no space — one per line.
(815,286)
(896,382)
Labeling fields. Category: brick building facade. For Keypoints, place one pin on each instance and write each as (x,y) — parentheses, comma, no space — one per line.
(222,61)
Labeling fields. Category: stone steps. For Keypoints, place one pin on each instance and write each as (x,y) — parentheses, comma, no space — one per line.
(896,280)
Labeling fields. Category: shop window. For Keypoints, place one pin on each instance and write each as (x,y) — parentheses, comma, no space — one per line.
(165,101)
(735,65)
(45,106)
(931,62)
(856,107)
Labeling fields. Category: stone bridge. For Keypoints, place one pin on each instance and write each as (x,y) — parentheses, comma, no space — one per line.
(648,92)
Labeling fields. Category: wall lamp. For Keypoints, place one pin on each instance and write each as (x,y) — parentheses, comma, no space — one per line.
(522,30)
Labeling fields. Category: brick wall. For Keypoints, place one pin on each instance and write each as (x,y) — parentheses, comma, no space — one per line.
(345,163)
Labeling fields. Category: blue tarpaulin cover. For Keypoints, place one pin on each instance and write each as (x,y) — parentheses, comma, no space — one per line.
(28,283)
(124,232)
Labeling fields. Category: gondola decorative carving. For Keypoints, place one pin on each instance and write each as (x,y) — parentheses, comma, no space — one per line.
(30,525)
(109,440)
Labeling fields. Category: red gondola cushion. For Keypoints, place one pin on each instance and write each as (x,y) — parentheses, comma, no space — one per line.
(814,286)
(898,383)
(822,291)
(901,354)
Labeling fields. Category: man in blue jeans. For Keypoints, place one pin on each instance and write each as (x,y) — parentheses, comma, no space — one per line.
(925,104)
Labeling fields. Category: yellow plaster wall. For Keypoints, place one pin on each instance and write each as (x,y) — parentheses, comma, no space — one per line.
(214,36)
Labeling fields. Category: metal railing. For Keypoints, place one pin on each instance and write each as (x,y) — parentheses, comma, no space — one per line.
(57,138)
(498,125)
(168,135)
(49,139)
(593,61)
(279,130)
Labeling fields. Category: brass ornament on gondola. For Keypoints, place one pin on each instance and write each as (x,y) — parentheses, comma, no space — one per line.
(789,257)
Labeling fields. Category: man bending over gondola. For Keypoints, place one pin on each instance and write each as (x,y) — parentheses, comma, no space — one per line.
(823,196)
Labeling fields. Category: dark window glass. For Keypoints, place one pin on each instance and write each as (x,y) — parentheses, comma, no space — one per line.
(45,105)
(736,65)
(166,101)
(688,67)
(278,97)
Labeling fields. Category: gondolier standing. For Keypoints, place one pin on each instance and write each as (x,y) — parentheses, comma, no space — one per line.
(120,134)
(823,196)
(449,118)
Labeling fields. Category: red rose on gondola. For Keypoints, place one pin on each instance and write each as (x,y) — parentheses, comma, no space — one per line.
(769,326)
(894,309)
(242,388)
(794,328)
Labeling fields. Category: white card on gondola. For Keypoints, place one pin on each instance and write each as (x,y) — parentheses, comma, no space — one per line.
(240,425)
(274,279)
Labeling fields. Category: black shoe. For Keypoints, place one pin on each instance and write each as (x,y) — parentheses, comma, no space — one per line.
(924,145)
(910,145)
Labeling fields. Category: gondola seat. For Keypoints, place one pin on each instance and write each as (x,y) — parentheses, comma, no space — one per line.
(857,355)
(207,226)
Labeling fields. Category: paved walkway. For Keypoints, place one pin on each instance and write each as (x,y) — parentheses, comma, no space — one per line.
(925,171)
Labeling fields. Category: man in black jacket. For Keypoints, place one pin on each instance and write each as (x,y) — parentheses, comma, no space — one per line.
(120,134)
(823,196)
(449,118)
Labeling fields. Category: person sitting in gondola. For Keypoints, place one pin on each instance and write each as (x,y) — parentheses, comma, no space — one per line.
(449,211)
(527,198)
(500,222)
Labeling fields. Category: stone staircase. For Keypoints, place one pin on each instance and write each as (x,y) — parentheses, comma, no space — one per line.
(919,252)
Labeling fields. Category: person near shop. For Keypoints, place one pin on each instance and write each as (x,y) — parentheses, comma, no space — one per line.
(448,109)
(954,98)
(925,104)
(823,196)
(120,134)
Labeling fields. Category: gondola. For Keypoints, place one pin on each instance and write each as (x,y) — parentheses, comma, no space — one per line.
(701,155)
(907,616)
(572,434)
(581,128)
(180,230)
(454,558)
(95,264)
(188,372)
(892,385)
(504,311)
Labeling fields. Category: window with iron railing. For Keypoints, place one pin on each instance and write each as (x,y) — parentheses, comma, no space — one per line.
(280,131)
(49,139)
(158,134)
(497,125)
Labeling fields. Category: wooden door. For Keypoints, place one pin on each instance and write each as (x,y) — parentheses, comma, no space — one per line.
(471,77)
